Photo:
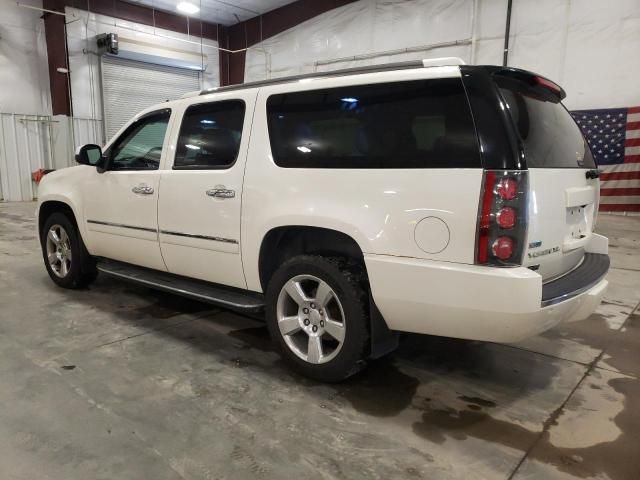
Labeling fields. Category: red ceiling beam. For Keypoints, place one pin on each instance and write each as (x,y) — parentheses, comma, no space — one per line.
(147,16)
(55,35)
(54,32)
(254,30)
(236,37)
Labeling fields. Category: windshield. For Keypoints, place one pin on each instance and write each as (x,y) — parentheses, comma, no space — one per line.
(550,136)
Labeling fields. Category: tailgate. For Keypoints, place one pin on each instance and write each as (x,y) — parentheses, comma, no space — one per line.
(562,207)
(563,195)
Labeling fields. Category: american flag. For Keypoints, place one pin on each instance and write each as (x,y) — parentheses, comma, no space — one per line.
(614,137)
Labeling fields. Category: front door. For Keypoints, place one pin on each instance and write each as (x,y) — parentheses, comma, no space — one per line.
(121,203)
(200,198)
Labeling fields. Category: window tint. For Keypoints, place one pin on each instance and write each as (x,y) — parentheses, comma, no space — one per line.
(417,124)
(210,135)
(140,146)
(550,136)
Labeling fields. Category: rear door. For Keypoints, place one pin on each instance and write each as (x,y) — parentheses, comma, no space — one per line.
(201,193)
(563,198)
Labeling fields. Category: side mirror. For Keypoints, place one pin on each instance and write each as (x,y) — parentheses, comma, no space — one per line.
(89,154)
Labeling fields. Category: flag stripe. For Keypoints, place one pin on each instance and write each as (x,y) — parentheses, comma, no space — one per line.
(632,158)
(633,125)
(623,207)
(619,167)
(633,133)
(620,176)
(631,151)
(632,142)
(634,183)
(633,117)
(634,109)
(620,199)
(607,192)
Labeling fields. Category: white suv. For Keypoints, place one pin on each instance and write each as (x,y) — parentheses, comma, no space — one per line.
(429,197)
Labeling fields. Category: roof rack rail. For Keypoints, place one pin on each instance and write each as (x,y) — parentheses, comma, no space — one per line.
(442,62)
(193,93)
(434,62)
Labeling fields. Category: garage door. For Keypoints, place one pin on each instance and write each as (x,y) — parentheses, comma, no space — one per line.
(129,86)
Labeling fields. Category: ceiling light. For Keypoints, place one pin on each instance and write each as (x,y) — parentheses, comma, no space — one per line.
(304,149)
(188,8)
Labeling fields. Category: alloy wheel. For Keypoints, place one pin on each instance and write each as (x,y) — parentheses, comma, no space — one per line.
(311,319)
(59,251)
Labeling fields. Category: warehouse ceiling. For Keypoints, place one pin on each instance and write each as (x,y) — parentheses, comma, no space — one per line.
(224,12)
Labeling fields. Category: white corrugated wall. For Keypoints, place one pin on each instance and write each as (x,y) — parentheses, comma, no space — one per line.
(25,146)
(31,142)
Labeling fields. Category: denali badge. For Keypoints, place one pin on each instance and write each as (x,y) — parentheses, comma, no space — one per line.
(543,252)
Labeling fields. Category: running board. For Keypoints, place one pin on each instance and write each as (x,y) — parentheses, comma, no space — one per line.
(227,297)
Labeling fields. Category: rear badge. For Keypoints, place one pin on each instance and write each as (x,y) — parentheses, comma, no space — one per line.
(548,251)
(535,244)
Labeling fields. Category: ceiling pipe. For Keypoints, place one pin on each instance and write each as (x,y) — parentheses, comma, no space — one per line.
(505,56)
(399,51)
(39,9)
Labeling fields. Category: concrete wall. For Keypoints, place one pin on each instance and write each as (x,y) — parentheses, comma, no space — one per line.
(588,46)
(24,77)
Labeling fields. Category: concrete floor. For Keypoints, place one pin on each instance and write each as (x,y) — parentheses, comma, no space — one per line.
(121,382)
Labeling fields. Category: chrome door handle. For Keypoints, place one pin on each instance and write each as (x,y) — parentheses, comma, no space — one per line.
(142,189)
(221,193)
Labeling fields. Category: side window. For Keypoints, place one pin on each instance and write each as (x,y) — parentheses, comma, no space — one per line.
(210,135)
(416,124)
(140,146)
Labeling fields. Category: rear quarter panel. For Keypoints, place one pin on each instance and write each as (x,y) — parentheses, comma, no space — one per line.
(379,209)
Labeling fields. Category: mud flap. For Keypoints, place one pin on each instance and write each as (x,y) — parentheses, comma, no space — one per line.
(383,340)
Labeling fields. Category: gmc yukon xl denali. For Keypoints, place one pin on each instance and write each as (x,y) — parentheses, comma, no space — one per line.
(430,197)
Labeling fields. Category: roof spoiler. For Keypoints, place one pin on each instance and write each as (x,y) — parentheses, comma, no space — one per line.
(531,79)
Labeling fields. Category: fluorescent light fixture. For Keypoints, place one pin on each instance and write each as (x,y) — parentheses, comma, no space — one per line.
(208,122)
(188,8)
(349,100)
(191,147)
(304,149)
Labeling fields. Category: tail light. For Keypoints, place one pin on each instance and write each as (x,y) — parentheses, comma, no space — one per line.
(545,82)
(502,218)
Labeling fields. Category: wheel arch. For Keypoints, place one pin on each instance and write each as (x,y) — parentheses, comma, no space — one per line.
(53,205)
(285,241)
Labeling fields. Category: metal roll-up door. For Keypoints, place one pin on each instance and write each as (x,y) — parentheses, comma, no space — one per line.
(129,86)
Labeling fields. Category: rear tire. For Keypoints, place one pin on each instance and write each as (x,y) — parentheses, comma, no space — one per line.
(317,315)
(66,259)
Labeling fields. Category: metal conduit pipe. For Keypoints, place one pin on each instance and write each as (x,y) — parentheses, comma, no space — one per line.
(399,51)
(505,56)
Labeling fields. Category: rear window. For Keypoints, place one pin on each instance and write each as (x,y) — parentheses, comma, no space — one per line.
(210,136)
(550,136)
(417,124)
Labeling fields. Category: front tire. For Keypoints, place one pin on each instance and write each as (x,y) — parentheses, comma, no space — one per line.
(317,314)
(65,257)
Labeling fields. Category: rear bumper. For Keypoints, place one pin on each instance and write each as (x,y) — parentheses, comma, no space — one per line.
(591,271)
(475,302)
